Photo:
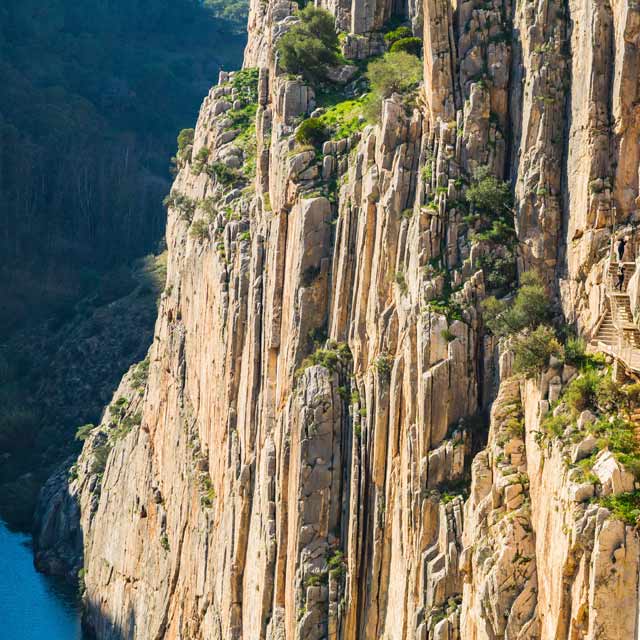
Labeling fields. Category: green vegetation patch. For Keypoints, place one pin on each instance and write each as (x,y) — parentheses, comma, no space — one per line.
(526,319)
(182,203)
(408,45)
(223,174)
(624,506)
(397,34)
(332,357)
(311,131)
(140,375)
(488,194)
(396,72)
(245,82)
(310,46)
(344,118)
(612,404)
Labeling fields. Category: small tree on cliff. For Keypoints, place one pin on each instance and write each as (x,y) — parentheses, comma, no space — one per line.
(489,195)
(397,72)
(310,46)
(525,320)
(529,309)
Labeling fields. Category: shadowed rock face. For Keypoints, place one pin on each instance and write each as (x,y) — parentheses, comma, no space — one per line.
(283,486)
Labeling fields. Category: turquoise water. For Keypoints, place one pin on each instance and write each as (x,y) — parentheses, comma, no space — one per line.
(32,606)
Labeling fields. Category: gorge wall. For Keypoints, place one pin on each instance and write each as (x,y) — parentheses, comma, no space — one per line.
(320,375)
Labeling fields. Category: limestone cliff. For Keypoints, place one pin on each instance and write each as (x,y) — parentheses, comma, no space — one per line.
(321,374)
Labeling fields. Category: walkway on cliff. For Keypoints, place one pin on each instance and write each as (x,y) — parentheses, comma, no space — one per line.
(616,333)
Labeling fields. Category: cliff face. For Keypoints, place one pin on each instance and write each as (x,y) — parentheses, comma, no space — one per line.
(312,411)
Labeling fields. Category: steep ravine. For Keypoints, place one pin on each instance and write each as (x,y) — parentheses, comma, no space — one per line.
(321,377)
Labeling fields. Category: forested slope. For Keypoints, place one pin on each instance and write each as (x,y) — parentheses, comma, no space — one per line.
(93,95)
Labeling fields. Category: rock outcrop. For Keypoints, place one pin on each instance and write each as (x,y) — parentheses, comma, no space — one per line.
(311,459)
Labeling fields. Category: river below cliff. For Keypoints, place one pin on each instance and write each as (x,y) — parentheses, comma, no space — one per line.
(33,606)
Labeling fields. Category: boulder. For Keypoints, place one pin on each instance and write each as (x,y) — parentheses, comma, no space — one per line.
(613,476)
(586,418)
(342,73)
(584,448)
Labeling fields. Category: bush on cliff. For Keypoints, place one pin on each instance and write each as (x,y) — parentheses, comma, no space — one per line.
(408,45)
(525,319)
(532,350)
(310,46)
(529,309)
(185,140)
(311,131)
(397,34)
(488,194)
(396,72)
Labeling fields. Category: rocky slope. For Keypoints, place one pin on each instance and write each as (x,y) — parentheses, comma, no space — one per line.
(320,373)
(58,375)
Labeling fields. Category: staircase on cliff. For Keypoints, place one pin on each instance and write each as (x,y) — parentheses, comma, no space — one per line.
(616,332)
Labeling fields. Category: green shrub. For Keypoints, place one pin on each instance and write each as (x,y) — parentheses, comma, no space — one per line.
(383,365)
(124,427)
(397,34)
(81,584)
(408,45)
(499,271)
(396,72)
(488,194)
(185,140)
(119,407)
(530,308)
(311,131)
(207,490)
(200,161)
(574,351)
(332,357)
(310,46)
(532,350)
(581,393)
(199,230)
(514,427)
(499,232)
(223,174)
(140,374)
(100,456)
(84,431)
(337,565)
(316,579)
(446,307)
(624,506)
(609,395)
(181,203)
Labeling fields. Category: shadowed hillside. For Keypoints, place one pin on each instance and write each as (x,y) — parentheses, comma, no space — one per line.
(93,96)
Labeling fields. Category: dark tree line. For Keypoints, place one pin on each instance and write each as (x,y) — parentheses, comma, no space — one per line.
(93,95)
